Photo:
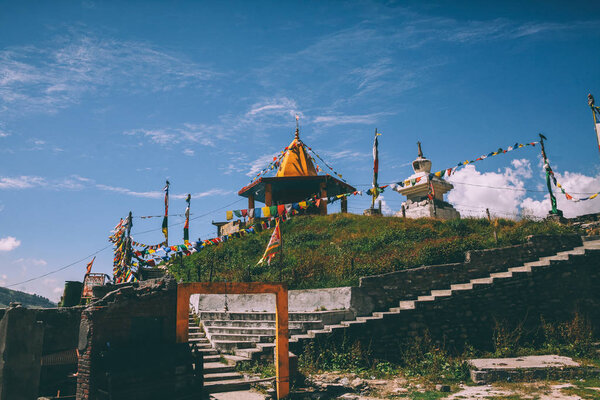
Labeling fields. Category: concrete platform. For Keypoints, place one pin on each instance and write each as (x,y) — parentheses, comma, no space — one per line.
(486,370)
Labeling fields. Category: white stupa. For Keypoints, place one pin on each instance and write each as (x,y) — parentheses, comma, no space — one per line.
(418,203)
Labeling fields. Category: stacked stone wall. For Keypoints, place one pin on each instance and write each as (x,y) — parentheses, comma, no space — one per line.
(386,290)
(554,293)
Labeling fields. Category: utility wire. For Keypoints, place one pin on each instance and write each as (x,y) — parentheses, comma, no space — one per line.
(106,247)
(61,268)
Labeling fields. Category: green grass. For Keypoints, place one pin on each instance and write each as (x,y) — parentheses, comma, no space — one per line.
(582,389)
(338,249)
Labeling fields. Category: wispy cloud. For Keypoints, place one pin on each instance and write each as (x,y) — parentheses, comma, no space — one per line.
(36,262)
(21,182)
(188,152)
(56,75)
(362,119)
(201,134)
(9,243)
(157,194)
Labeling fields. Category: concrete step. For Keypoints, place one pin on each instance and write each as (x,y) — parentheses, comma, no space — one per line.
(520,269)
(229,345)
(217,368)
(211,359)
(212,330)
(226,386)
(482,281)
(425,298)
(407,305)
(324,316)
(225,376)
(461,286)
(208,351)
(441,293)
(246,353)
(500,275)
(304,325)
(242,338)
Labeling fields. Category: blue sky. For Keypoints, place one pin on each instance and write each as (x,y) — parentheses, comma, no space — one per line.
(100,102)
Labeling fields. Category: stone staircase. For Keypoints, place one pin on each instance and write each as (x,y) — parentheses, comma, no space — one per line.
(250,335)
(404,306)
(219,375)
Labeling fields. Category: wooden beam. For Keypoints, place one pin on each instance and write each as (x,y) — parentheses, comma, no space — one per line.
(323,195)
(344,204)
(268,195)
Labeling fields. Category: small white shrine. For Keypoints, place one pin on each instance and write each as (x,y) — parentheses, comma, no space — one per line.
(425,193)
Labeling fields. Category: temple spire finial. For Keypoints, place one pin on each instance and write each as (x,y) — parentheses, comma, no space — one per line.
(420,151)
(297,135)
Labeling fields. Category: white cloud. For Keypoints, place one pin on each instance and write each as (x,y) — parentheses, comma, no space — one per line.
(385,208)
(364,119)
(57,74)
(576,184)
(280,105)
(4,134)
(194,133)
(159,194)
(475,191)
(21,182)
(9,243)
(188,152)
(259,164)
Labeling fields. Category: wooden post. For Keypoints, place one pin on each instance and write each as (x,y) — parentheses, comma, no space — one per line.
(324,195)
(344,204)
(250,201)
(282,362)
(268,195)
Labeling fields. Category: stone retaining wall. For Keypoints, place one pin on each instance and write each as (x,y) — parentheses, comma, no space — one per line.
(386,290)
(555,292)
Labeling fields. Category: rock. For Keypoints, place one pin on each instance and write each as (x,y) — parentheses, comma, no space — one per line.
(356,383)
(442,388)
(378,382)
(344,381)
(349,396)
(400,390)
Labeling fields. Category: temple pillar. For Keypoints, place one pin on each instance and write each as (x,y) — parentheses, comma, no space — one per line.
(250,201)
(323,195)
(344,204)
(268,195)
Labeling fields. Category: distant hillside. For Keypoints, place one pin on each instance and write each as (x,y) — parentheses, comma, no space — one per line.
(26,299)
(336,250)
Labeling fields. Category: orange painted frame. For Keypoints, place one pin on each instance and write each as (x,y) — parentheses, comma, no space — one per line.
(282,362)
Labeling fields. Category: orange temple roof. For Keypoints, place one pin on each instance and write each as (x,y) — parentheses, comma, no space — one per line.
(296,161)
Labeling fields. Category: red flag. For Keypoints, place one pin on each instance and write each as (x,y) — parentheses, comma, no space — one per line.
(89,266)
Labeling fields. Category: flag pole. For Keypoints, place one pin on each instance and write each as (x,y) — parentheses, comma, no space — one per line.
(555,210)
(595,109)
(375,192)
(165,224)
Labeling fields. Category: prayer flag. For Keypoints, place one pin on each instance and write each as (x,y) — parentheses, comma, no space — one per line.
(281,209)
(273,247)
(273,211)
(165,224)
(229,215)
(266,212)
(186,226)
(89,266)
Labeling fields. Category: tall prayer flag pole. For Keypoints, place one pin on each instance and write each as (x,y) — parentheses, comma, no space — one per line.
(375,187)
(555,210)
(165,224)
(595,110)
(186,227)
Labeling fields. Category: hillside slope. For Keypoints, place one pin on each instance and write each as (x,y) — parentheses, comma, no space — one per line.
(26,299)
(336,250)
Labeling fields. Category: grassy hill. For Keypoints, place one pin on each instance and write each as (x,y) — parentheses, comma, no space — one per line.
(336,250)
(26,299)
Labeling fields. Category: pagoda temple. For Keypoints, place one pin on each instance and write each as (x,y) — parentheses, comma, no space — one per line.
(296,180)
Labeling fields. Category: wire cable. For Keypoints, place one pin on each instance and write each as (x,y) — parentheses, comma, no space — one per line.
(59,269)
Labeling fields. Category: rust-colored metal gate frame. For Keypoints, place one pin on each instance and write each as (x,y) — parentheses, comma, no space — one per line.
(282,367)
